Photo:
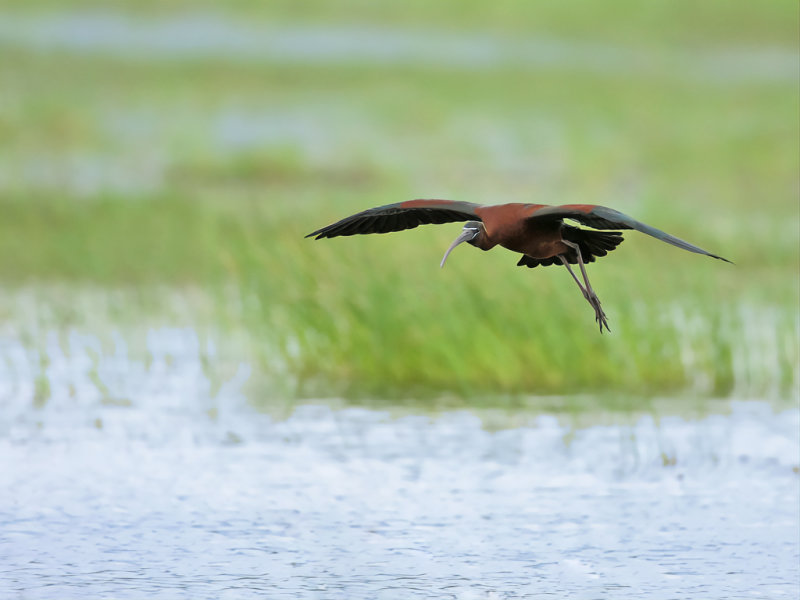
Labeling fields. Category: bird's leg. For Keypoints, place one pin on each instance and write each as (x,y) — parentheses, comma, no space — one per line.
(592,298)
(588,292)
(578,281)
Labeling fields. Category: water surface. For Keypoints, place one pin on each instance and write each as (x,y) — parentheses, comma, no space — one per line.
(179,492)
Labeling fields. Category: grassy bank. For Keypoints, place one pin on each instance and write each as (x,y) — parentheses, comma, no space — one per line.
(377,317)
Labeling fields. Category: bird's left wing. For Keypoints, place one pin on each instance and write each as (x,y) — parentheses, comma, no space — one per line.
(400,216)
(602,217)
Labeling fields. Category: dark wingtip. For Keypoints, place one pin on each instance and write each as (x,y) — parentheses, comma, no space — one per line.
(730,262)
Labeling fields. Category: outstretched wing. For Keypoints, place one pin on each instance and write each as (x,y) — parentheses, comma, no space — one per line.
(593,245)
(601,217)
(400,216)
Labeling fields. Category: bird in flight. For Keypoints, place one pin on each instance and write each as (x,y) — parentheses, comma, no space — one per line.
(536,231)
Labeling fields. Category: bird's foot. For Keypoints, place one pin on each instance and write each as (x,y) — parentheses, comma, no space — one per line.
(599,315)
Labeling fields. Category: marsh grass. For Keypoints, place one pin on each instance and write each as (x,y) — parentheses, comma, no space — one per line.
(201,176)
(376,317)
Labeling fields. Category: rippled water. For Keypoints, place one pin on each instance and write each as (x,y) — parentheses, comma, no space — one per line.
(176,492)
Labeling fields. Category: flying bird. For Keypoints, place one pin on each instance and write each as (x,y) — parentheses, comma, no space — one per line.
(536,231)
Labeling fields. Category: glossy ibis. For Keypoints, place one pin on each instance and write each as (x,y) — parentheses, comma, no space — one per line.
(536,231)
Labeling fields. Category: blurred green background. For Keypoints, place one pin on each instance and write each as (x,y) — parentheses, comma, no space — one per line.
(160,164)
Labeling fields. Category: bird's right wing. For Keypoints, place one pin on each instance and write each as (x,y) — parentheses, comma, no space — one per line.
(400,216)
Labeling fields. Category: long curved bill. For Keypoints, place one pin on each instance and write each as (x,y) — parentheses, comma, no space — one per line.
(465,235)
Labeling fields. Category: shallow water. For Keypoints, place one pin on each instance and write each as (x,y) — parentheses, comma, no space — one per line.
(178,492)
(209,35)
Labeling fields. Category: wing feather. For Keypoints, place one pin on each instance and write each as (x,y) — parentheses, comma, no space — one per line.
(400,216)
(602,217)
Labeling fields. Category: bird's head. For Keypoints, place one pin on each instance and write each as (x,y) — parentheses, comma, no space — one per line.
(470,234)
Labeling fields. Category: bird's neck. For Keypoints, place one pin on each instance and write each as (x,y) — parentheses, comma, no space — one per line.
(483,241)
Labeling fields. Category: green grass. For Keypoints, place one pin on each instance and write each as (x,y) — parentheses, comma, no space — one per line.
(201,176)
